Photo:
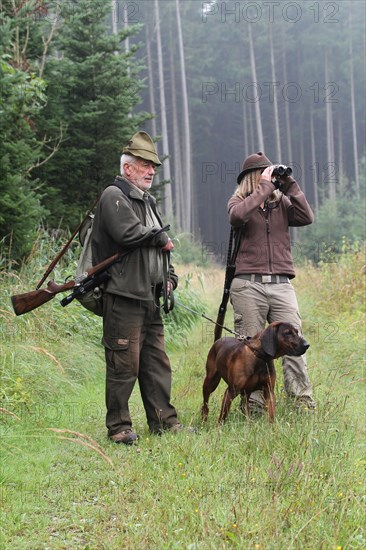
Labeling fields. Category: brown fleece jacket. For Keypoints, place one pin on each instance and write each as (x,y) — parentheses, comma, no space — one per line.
(265,246)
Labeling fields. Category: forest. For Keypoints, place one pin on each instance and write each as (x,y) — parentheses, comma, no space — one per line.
(211,81)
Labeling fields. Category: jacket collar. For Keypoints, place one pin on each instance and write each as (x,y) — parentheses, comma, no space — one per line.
(131,191)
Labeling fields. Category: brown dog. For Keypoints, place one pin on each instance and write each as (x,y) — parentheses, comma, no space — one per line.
(247,365)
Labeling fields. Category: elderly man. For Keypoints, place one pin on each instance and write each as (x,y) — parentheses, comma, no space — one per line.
(127,219)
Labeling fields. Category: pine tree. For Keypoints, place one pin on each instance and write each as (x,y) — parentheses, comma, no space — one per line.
(93,89)
(22,97)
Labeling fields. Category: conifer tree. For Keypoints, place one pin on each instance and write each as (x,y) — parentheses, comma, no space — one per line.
(93,89)
(22,97)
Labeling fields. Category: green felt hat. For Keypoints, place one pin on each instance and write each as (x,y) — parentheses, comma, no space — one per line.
(141,145)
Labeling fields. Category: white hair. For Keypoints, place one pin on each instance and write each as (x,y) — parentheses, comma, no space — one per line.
(126,159)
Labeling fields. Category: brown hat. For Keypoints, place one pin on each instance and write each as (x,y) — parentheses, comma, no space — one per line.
(254,162)
(141,145)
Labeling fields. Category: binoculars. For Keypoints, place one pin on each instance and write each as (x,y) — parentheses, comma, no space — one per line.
(281,170)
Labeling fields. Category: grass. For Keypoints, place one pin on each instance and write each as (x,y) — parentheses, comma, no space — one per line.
(296,484)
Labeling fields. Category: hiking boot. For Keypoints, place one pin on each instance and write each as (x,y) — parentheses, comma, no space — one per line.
(256,408)
(128,437)
(176,428)
(305,403)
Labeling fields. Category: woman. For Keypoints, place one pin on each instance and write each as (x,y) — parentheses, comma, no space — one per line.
(265,207)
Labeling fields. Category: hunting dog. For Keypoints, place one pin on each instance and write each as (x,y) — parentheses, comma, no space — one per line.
(247,365)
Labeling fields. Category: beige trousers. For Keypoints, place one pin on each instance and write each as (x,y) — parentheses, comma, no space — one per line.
(257,303)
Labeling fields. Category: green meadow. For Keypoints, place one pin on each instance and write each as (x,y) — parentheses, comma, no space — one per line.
(296,484)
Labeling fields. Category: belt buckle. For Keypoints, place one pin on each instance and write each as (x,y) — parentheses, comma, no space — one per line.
(266,278)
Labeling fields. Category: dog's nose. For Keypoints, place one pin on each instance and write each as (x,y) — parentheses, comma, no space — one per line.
(306,344)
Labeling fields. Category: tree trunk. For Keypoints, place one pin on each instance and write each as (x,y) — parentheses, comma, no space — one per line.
(353,109)
(245,130)
(151,87)
(342,174)
(330,168)
(168,203)
(187,184)
(257,103)
(114,16)
(275,102)
(287,108)
(178,192)
(314,163)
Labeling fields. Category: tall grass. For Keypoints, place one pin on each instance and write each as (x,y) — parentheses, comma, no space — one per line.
(296,484)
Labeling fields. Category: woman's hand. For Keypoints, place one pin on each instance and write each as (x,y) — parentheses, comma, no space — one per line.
(267,173)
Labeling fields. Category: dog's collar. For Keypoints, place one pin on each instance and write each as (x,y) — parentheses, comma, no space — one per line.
(263,356)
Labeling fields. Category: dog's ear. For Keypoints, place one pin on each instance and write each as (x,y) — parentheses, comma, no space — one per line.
(269,341)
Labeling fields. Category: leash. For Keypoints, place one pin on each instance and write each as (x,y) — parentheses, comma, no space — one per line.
(244,339)
(168,296)
(208,319)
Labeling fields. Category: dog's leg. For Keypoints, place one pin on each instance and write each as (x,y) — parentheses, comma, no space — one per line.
(229,395)
(209,386)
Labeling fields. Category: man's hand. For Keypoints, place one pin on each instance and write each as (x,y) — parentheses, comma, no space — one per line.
(169,246)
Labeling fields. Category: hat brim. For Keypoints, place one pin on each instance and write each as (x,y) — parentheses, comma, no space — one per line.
(242,174)
(142,154)
(151,158)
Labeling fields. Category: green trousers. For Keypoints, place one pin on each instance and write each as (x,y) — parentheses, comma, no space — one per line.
(257,303)
(133,337)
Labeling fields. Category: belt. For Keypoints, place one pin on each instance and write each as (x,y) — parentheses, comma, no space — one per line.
(255,278)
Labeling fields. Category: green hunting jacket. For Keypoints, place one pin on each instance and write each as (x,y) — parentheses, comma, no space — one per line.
(120,226)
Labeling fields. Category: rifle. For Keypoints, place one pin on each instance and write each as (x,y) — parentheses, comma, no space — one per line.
(23,303)
(229,276)
(93,277)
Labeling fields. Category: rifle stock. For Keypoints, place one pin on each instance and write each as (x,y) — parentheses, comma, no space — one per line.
(23,303)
